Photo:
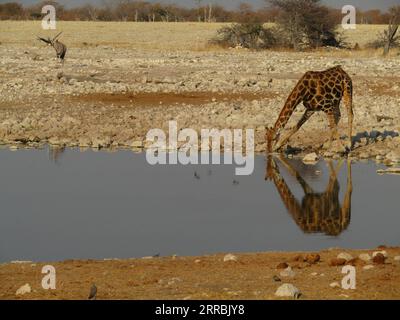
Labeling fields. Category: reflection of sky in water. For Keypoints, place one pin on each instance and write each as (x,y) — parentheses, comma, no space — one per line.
(104,205)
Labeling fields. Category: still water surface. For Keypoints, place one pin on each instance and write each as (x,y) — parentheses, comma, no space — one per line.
(95,205)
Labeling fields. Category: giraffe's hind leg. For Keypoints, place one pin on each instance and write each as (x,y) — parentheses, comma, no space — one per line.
(307,114)
(334,116)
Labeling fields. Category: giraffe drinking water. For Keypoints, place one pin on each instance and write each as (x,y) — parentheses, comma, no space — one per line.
(319,91)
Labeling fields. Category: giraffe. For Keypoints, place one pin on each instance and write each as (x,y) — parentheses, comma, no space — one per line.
(317,212)
(319,91)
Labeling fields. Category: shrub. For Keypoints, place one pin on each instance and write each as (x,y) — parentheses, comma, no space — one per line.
(245,35)
(306,23)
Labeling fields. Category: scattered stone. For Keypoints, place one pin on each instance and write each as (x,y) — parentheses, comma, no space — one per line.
(311,158)
(365,257)
(137,144)
(298,258)
(346,256)
(397,258)
(24,290)
(383,252)
(276,278)
(287,290)
(379,259)
(174,281)
(354,262)
(288,272)
(282,265)
(337,262)
(395,171)
(313,258)
(368,267)
(314,274)
(393,156)
(230,257)
(335,285)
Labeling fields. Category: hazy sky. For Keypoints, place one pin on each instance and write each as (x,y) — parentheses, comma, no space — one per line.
(364,4)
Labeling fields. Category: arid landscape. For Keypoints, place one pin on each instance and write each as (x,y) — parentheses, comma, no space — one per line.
(120,80)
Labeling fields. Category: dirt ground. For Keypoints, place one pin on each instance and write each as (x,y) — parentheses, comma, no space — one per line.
(207,277)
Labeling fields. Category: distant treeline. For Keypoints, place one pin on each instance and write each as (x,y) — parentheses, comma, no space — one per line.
(130,10)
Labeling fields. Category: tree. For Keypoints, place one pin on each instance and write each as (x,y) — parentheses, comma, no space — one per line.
(306,23)
(11,10)
(390,32)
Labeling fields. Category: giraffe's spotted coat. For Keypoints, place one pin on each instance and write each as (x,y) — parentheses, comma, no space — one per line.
(318,91)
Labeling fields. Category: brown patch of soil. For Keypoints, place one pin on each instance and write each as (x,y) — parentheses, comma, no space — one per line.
(160,98)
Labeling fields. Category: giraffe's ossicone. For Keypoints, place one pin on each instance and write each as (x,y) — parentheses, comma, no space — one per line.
(318,91)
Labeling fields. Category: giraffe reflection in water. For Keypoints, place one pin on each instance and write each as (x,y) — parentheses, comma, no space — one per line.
(318,212)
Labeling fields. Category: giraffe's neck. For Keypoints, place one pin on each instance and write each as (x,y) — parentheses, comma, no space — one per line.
(291,103)
(290,201)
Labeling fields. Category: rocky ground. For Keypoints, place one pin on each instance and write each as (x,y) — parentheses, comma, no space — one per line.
(261,276)
(111,95)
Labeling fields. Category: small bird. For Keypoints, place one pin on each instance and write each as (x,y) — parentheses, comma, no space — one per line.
(93,292)
(276,279)
(235,182)
(297,296)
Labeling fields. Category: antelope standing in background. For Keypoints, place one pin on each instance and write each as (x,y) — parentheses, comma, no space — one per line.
(58,46)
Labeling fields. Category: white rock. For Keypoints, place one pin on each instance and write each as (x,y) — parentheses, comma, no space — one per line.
(335,285)
(24,289)
(311,158)
(384,253)
(230,257)
(394,171)
(394,156)
(346,256)
(287,290)
(137,144)
(365,257)
(397,258)
(314,274)
(368,267)
(288,272)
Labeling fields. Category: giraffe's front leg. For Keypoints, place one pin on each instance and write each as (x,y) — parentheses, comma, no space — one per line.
(307,114)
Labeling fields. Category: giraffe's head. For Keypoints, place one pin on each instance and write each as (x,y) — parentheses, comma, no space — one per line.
(270,136)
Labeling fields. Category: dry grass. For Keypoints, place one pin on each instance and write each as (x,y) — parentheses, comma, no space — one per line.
(144,36)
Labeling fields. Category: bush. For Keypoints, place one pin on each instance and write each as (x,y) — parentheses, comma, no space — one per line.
(306,23)
(381,41)
(245,35)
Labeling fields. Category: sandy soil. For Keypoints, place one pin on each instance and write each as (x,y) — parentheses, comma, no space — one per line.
(208,277)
